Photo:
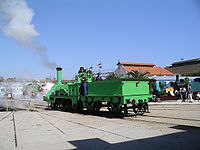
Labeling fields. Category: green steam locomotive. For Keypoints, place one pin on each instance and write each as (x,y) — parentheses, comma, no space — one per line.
(118,95)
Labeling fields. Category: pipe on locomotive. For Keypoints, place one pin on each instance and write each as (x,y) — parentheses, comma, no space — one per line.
(59,75)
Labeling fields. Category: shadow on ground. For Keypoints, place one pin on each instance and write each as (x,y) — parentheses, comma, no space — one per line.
(102,113)
(188,139)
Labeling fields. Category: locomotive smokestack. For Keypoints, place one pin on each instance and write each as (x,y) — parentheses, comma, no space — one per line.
(59,75)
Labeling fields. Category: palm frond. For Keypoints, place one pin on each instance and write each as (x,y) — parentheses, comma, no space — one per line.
(138,74)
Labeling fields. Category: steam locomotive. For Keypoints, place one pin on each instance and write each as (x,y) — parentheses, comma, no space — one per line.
(117,95)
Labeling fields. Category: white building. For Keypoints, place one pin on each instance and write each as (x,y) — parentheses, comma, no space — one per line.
(125,67)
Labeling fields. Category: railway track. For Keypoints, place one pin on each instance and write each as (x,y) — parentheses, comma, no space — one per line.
(172,118)
(129,118)
(52,124)
(150,121)
(165,120)
(14,128)
(132,117)
(14,125)
(81,124)
(6,116)
(58,122)
(145,118)
(47,117)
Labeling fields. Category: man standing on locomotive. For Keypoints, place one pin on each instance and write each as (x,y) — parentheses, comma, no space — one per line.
(98,78)
(83,86)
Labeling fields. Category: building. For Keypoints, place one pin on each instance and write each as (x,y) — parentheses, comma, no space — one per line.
(167,80)
(125,67)
(187,67)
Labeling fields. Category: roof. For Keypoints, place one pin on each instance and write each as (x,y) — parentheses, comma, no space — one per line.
(172,78)
(185,67)
(152,70)
(186,61)
(136,64)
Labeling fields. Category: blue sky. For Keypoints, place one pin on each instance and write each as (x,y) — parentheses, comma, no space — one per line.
(84,32)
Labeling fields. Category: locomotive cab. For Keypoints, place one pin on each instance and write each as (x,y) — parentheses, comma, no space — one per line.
(86,73)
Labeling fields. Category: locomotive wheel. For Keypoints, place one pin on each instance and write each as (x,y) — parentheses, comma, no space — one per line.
(109,107)
(63,106)
(146,107)
(54,106)
(68,105)
(135,109)
(123,111)
(139,109)
(79,106)
(97,106)
(89,108)
(141,112)
(112,107)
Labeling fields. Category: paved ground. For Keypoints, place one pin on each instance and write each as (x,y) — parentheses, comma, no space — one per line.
(167,127)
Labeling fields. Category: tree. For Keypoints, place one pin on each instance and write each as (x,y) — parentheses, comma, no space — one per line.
(11,79)
(186,80)
(138,74)
(111,76)
(1,79)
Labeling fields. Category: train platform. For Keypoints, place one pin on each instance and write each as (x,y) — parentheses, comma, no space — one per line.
(169,127)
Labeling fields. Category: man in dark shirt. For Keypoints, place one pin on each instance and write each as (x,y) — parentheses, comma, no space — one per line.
(83,86)
(98,78)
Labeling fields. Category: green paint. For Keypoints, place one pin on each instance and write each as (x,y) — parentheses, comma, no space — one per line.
(117,92)
(59,75)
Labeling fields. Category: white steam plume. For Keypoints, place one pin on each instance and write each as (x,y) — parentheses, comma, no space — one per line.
(15,19)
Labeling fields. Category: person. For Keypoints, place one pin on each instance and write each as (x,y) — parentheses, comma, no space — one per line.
(177,93)
(81,70)
(98,78)
(83,86)
(183,93)
(198,96)
(189,92)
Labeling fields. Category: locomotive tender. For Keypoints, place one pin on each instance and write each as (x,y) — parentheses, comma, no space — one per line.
(118,95)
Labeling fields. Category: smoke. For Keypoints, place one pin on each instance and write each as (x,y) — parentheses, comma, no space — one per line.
(15,19)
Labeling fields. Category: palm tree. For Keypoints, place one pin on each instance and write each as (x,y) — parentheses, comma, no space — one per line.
(138,74)
(111,76)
